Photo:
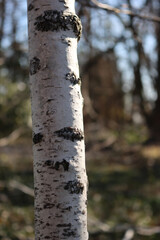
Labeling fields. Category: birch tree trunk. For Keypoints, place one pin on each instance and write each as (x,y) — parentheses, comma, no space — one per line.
(58,142)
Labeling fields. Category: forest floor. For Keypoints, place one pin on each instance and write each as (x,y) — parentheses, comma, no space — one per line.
(124,186)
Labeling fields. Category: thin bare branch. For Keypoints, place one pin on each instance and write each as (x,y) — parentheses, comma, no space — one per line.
(17,185)
(23,188)
(129,231)
(126,12)
(148,231)
(11,138)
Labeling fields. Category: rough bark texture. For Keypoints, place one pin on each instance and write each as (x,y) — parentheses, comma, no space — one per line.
(58,142)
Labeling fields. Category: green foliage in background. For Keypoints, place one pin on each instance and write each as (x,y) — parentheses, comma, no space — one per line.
(14,106)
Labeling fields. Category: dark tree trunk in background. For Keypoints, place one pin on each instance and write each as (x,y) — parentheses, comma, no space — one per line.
(2,18)
(154,118)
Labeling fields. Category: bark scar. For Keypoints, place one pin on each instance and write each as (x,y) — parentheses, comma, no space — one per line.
(53,20)
(70,133)
(74,187)
(34,65)
(37,138)
(56,165)
(72,78)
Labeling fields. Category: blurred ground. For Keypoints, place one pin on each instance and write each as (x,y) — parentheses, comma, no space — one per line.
(124,186)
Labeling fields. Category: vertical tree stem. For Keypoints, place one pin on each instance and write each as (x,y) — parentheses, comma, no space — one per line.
(58,141)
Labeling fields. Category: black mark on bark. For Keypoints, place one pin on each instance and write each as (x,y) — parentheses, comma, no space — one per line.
(76,26)
(64,225)
(69,233)
(66,209)
(74,187)
(63,209)
(48,205)
(40,149)
(83,212)
(34,66)
(38,209)
(35,191)
(37,138)
(49,163)
(30,7)
(49,100)
(72,78)
(56,165)
(52,20)
(64,163)
(70,133)
(65,40)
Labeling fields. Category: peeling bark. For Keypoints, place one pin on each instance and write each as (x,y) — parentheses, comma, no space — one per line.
(60,181)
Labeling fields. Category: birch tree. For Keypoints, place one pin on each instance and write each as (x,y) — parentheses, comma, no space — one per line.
(60,180)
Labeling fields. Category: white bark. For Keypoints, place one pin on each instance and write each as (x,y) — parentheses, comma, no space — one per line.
(58,143)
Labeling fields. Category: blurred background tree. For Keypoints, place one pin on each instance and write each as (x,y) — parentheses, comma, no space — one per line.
(131,46)
(119,57)
(14,101)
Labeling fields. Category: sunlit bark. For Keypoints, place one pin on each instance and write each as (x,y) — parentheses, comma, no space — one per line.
(58,142)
